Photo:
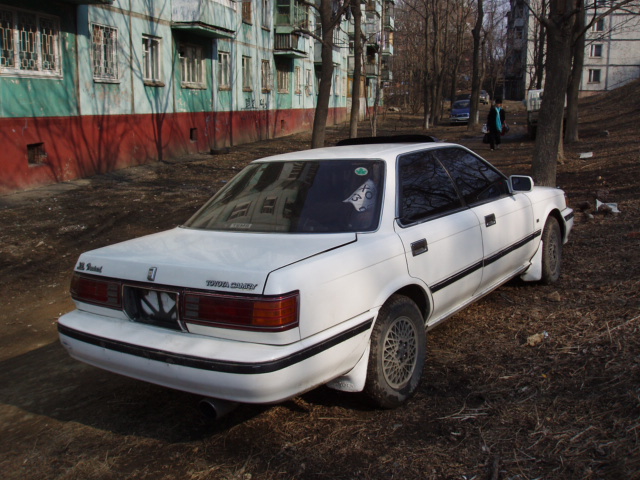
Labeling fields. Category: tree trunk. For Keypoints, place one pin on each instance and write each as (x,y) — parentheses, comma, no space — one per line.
(326,77)
(540,53)
(475,76)
(426,96)
(559,40)
(573,90)
(357,70)
(376,102)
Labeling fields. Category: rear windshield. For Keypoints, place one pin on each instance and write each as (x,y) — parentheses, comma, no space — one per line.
(323,196)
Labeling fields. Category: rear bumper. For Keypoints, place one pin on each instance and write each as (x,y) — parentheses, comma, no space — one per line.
(456,120)
(230,370)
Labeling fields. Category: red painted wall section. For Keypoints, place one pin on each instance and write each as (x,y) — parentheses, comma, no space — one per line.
(64,148)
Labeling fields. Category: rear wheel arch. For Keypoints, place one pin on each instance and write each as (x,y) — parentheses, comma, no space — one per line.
(417,295)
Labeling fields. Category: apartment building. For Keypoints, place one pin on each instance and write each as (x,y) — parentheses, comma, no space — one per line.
(90,86)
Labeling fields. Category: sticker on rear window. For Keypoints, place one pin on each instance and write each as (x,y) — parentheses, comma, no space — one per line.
(361,171)
(364,198)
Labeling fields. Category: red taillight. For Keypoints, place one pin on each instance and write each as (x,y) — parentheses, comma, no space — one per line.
(95,290)
(246,313)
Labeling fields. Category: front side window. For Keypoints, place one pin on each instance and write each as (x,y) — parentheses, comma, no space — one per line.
(475,179)
(425,188)
(104,48)
(191,66)
(151,71)
(29,43)
(224,70)
(319,196)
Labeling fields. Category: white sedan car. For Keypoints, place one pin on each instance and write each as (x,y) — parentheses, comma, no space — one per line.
(325,266)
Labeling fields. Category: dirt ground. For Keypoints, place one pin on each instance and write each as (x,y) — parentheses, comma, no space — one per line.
(491,406)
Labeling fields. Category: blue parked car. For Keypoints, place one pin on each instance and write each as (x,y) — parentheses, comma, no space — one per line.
(460,112)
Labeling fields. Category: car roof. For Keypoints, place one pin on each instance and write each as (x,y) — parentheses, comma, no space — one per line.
(369,151)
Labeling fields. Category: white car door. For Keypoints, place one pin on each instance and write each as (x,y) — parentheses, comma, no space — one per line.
(441,238)
(506,220)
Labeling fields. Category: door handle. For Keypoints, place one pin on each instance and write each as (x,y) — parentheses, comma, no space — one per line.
(490,220)
(419,247)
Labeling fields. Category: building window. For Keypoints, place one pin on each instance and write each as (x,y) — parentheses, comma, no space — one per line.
(298,75)
(151,72)
(266,76)
(284,76)
(104,48)
(29,43)
(267,14)
(247,77)
(596,50)
(594,75)
(246,12)
(598,26)
(308,84)
(224,71)
(336,83)
(191,66)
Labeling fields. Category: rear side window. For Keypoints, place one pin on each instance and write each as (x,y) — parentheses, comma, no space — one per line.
(475,179)
(425,188)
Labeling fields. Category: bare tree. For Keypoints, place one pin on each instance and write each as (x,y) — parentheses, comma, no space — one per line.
(477,58)
(357,69)
(330,13)
(561,32)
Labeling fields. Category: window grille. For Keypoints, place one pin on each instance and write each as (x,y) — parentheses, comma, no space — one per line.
(29,43)
(104,42)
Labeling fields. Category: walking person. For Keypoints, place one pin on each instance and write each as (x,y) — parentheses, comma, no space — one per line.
(495,123)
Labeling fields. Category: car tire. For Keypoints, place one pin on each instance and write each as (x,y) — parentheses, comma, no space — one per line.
(551,252)
(397,354)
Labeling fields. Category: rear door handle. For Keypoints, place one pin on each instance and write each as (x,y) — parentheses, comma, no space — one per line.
(419,247)
(490,220)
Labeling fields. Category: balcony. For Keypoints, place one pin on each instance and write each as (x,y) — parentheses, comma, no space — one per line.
(374,6)
(389,23)
(387,49)
(336,55)
(372,31)
(387,75)
(371,69)
(209,18)
(290,45)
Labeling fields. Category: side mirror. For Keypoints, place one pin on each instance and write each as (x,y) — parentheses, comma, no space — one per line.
(521,183)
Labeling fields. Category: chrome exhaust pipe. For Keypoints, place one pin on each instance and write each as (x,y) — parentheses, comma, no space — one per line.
(215,408)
